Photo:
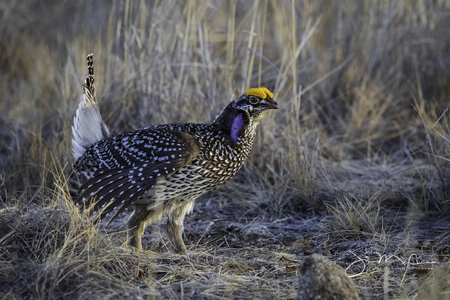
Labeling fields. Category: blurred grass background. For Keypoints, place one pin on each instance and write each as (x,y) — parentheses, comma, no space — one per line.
(363,89)
(355,80)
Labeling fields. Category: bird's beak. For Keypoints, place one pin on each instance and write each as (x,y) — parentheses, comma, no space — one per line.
(272,104)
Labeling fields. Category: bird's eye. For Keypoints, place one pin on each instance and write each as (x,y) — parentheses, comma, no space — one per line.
(253,100)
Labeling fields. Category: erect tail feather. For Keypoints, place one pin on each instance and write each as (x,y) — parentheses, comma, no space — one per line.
(88,126)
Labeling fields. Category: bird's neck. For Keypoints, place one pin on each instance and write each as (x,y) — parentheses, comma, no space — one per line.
(236,125)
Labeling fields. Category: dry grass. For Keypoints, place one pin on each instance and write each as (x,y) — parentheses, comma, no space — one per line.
(354,165)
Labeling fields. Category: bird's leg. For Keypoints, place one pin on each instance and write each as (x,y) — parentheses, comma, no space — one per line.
(137,224)
(175,227)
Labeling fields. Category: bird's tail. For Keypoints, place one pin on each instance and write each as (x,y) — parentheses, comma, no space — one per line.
(88,126)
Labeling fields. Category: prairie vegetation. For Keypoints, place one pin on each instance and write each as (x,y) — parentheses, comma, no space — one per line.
(355,165)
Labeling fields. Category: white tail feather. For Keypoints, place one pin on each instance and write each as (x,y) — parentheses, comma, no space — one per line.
(88,126)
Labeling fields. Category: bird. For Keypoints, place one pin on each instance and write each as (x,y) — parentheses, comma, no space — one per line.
(160,170)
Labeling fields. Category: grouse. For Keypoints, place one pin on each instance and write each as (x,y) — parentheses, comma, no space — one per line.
(160,170)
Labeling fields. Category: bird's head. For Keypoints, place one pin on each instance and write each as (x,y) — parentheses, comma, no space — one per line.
(255,101)
(246,111)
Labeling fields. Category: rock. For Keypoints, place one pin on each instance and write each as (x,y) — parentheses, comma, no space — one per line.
(322,278)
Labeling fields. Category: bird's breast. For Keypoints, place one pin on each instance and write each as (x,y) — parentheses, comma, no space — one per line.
(217,162)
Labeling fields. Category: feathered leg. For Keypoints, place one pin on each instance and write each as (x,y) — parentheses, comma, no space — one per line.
(175,226)
(138,222)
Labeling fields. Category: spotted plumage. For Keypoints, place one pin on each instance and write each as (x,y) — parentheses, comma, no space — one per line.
(161,170)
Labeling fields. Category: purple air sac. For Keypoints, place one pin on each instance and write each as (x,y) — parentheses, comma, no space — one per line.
(236,127)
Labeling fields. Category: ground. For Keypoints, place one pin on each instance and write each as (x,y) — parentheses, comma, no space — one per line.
(354,166)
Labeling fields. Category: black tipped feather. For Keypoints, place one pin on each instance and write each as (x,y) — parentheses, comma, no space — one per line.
(116,184)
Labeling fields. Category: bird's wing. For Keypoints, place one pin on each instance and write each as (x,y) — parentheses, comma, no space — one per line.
(128,165)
